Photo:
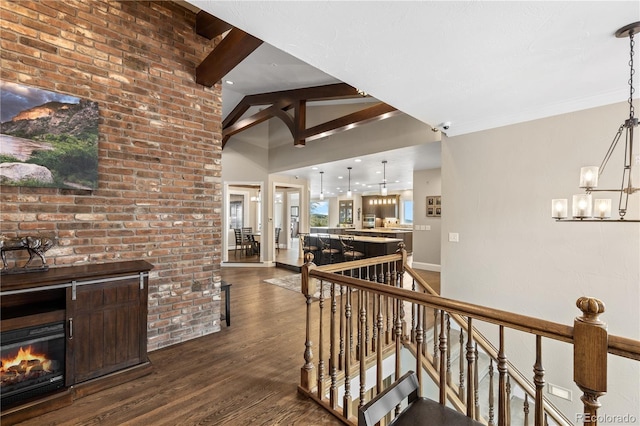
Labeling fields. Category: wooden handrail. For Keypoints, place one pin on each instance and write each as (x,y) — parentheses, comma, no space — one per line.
(588,336)
(563,333)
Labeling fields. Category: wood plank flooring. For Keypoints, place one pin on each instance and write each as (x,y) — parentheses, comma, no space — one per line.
(246,374)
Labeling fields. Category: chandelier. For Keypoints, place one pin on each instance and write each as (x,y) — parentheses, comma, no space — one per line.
(583,207)
(383,189)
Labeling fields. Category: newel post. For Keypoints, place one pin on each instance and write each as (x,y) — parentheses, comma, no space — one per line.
(590,340)
(308,288)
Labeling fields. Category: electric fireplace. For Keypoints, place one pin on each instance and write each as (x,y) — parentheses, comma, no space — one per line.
(33,361)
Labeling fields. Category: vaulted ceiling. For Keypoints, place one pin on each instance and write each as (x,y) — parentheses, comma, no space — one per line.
(235,47)
(475,64)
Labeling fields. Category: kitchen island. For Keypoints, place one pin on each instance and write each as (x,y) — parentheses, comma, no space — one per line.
(406,235)
(369,245)
(329,230)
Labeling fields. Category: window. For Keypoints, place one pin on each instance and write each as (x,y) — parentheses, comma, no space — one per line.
(408,211)
(319,213)
(235,214)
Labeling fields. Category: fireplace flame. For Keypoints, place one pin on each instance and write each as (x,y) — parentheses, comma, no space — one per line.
(25,361)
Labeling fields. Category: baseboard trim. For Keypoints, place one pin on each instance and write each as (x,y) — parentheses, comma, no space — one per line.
(426,266)
(247,264)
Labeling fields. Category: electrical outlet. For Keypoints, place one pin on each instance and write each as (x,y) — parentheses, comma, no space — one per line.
(454,237)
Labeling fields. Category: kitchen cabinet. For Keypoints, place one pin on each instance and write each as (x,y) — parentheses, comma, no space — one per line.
(381,206)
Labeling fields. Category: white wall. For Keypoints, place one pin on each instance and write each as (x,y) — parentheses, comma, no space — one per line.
(497,187)
(426,230)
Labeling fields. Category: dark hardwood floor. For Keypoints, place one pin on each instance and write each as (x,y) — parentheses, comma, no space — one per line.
(246,374)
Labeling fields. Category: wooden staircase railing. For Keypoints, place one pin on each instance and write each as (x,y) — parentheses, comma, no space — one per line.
(359,311)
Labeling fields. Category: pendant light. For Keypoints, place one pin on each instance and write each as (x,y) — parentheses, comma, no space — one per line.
(349,193)
(383,190)
(321,189)
(584,208)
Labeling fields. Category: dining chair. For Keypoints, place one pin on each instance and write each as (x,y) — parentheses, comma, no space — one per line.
(239,241)
(278,239)
(254,245)
(246,231)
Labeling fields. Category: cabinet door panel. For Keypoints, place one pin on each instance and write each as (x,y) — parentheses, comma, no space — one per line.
(109,325)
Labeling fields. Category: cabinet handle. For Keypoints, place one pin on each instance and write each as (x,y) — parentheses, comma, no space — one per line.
(70,328)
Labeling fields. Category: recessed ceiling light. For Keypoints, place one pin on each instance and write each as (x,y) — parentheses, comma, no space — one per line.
(339,177)
(229,82)
(314,168)
(357,160)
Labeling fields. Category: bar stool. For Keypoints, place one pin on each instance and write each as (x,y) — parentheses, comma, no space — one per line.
(348,251)
(326,249)
(307,246)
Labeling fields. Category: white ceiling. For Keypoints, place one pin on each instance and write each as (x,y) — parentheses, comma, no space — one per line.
(475,64)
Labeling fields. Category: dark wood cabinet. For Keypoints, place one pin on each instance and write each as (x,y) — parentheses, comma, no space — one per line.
(108,322)
(381,206)
(104,309)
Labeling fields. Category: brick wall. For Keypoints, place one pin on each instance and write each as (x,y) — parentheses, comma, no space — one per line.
(159,194)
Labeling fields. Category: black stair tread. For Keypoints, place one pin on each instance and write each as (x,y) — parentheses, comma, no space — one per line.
(424,411)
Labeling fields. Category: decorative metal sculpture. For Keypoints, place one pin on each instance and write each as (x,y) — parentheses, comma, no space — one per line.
(34,245)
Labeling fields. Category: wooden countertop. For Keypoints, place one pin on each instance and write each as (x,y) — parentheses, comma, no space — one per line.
(64,275)
(365,239)
(381,230)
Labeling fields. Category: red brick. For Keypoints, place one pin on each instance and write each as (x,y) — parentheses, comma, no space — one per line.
(158,194)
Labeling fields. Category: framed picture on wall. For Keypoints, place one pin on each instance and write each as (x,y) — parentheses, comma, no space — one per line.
(434,207)
(294,211)
(49,139)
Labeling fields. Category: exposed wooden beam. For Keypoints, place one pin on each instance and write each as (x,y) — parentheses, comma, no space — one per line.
(315,93)
(300,123)
(255,119)
(209,26)
(350,121)
(236,46)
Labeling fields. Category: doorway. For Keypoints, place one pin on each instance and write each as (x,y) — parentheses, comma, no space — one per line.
(243,222)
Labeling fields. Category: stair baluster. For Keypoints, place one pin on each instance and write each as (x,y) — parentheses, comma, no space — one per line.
(436,356)
(346,405)
(333,362)
(379,346)
(448,351)
(538,380)
(320,377)
(398,348)
(491,395)
(476,386)
(471,366)
(419,343)
(359,328)
(526,409)
(307,372)
(502,382)
(362,296)
(375,330)
(415,313)
(443,355)
(461,368)
(342,326)
(508,399)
